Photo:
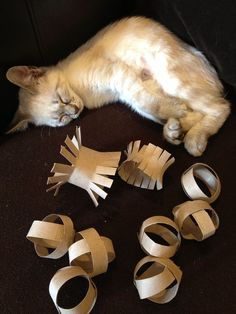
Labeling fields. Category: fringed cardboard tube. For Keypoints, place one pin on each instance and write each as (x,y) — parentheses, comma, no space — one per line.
(91,252)
(61,277)
(145,167)
(159,282)
(197,220)
(89,169)
(207,175)
(51,235)
(158,225)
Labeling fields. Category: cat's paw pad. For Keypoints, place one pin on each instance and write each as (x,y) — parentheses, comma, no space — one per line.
(195,144)
(173,131)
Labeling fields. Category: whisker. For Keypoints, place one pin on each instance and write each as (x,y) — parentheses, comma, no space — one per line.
(41,133)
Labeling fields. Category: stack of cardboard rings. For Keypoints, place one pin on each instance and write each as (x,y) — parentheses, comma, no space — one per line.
(89,256)
(196,219)
(159,282)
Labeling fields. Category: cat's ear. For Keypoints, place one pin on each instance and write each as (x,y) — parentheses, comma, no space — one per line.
(27,77)
(20,122)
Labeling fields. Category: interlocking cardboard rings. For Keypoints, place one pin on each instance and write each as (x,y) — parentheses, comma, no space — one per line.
(47,234)
(197,220)
(207,175)
(91,252)
(159,283)
(154,225)
(61,277)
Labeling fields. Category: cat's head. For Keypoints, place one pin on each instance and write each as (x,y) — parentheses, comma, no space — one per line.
(45,97)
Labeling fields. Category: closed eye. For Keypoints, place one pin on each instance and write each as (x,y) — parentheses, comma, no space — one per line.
(65,101)
(64,119)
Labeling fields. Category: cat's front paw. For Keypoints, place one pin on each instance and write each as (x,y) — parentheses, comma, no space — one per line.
(195,143)
(173,131)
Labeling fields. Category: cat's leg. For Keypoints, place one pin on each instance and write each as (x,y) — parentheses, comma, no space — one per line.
(162,111)
(203,95)
(183,72)
(175,129)
(215,111)
(168,106)
(196,127)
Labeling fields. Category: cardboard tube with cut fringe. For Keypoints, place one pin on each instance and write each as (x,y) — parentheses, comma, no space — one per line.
(197,220)
(50,234)
(91,252)
(158,225)
(145,167)
(159,282)
(64,275)
(207,175)
(89,169)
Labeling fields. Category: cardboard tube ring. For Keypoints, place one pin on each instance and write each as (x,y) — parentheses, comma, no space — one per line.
(159,282)
(91,252)
(207,175)
(158,225)
(197,220)
(61,277)
(48,235)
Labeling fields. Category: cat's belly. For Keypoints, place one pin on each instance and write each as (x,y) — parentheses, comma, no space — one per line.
(155,58)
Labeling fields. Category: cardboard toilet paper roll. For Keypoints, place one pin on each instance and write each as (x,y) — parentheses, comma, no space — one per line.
(88,169)
(145,167)
(61,277)
(49,235)
(158,225)
(159,282)
(207,175)
(197,220)
(91,252)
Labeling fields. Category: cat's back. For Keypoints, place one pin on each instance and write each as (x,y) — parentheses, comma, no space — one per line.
(137,32)
(128,34)
(131,39)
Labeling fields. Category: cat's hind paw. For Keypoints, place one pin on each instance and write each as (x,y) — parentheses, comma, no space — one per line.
(195,144)
(173,131)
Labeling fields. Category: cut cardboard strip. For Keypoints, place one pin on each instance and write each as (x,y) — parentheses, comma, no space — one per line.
(88,170)
(158,225)
(47,234)
(91,252)
(159,282)
(61,277)
(145,167)
(208,176)
(197,220)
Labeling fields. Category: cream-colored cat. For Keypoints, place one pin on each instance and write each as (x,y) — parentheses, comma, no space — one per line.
(138,62)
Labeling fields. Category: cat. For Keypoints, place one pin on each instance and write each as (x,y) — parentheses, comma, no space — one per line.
(136,61)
